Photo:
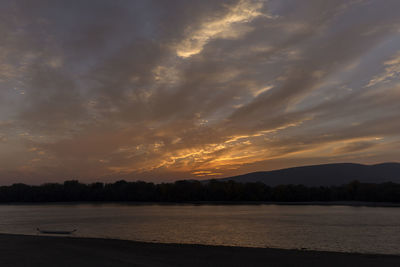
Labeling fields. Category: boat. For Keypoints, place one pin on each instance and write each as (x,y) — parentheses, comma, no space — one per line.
(56,232)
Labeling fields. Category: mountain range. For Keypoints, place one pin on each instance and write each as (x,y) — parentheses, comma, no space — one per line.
(324,175)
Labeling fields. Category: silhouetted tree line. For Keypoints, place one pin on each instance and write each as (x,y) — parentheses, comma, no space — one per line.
(192,191)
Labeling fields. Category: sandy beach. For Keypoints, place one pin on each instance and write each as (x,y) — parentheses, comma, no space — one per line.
(24,250)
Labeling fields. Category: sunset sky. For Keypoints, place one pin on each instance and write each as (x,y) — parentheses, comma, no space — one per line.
(166,90)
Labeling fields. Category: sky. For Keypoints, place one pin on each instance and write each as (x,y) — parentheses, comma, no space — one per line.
(167,90)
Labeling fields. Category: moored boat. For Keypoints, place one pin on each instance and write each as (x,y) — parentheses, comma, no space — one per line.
(56,232)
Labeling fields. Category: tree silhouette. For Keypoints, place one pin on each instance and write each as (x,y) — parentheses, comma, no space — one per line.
(195,191)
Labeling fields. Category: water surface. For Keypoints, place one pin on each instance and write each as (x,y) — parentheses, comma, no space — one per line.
(331,228)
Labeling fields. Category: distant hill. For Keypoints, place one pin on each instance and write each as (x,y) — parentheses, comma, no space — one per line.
(325,175)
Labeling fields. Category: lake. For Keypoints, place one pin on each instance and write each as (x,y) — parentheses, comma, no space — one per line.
(330,228)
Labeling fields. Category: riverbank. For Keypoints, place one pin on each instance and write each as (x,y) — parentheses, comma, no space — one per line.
(24,250)
(216,203)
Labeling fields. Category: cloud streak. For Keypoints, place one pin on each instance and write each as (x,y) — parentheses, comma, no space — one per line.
(229,26)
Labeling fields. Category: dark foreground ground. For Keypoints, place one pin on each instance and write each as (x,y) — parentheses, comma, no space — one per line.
(20,250)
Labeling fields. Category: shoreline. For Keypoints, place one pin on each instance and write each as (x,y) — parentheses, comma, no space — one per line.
(38,250)
(216,203)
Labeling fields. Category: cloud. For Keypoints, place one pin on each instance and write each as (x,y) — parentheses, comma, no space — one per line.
(163,91)
(392,71)
(229,26)
(355,147)
(3,139)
